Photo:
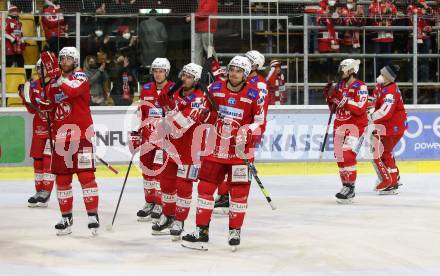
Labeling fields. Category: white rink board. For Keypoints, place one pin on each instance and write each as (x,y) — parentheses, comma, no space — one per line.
(309,234)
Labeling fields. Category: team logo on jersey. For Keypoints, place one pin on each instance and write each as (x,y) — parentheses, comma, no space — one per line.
(217,86)
(224,128)
(147,86)
(252,93)
(63,111)
(356,84)
(33,84)
(60,97)
(232,101)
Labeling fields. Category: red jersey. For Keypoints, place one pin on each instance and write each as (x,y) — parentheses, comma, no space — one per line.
(382,15)
(351,17)
(14,34)
(205,9)
(53,22)
(150,109)
(72,107)
(40,127)
(236,109)
(184,126)
(354,111)
(389,109)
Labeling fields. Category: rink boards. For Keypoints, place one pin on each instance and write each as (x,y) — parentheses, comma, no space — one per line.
(294,134)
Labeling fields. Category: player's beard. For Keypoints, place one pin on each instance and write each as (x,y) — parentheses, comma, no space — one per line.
(236,87)
(69,69)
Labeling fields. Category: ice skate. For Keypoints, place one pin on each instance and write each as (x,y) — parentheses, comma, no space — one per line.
(155,214)
(162,227)
(63,227)
(43,199)
(93,224)
(32,201)
(176,230)
(346,195)
(234,239)
(197,240)
(221,205)
(145,213)
(393,190)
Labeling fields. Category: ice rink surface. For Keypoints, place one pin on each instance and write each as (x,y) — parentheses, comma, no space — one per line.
(309,234)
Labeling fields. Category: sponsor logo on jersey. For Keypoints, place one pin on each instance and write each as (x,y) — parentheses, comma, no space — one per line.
(147,86)
(253,79)
(252,93)
(60,97)
(155,112)
(232,101)
(197,103)
(190,97)
(232,112)
(356,84)
(33,84)
(396,128)
(80,75)
(216,86)
(362,92)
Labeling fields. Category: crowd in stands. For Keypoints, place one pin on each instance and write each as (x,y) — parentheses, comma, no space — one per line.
(116,52)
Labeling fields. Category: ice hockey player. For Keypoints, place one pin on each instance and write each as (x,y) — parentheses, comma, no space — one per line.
(348,99)
(151,160)
(40,147)
(254,79)
(238,120)
(389,112)
(73,131)
(185,112)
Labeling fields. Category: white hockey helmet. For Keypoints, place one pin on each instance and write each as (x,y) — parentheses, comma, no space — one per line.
(256,58)
(192,69)
(69,52)
(349,64)
(242,63)
(160,63)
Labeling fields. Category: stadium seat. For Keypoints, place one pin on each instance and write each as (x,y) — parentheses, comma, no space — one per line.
(31,53)
(14,77)
(28,26)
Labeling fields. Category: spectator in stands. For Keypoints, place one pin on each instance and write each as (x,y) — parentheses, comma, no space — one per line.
(14,39)
(124,82)
(98,80)
(153,39)
(204,35)
(97,42)
(383,13)
(126,43)
(54,26)
(328,42)
(351,15)
(424,21)
(313,11)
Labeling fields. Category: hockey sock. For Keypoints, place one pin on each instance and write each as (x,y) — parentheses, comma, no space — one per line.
(183,201)
(39,174)
(90,191)
(205,202)
(48,177)
(64,193)
(237,210)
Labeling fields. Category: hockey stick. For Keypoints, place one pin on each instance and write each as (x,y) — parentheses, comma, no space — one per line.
(110,226)
(106,164)
(326,135)
(253,171)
